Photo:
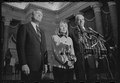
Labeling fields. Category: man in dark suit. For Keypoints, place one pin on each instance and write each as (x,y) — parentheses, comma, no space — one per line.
(31,46)
(85,67)
(78,47)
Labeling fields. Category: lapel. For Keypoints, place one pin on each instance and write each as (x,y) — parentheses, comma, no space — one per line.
(75,34)
(76,31)
(34,32)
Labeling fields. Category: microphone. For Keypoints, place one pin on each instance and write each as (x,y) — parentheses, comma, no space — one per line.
(93,30)
(81,28)
(98,34)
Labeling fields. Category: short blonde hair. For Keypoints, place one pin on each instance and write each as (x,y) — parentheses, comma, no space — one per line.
(58,29)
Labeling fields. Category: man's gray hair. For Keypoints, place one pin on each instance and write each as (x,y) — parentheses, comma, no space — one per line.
(33,11)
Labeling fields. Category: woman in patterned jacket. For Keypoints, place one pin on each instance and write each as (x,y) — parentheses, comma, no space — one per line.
(63,54)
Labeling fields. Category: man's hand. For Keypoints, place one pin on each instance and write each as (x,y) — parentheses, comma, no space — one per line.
(26,69)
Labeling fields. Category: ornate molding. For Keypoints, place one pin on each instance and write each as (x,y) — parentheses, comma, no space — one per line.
(72,9)
(12,12)
(111,3)
(32,7)
(13,8)
(96,7)
(65,8)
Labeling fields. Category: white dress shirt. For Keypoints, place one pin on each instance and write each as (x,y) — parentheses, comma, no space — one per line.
(34,25)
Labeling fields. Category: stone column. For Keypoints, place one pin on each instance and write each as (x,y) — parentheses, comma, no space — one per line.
(97,11)
(6,32)
(113,14)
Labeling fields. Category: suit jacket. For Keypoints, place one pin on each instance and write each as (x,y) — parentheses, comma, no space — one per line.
(30,49)
(78,47)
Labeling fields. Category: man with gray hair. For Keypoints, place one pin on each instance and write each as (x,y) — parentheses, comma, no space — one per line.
(31,46)
(89,48)
(85,66)
(75,34)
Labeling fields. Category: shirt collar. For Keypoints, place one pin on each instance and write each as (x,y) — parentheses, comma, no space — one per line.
(62,35)
(34,24)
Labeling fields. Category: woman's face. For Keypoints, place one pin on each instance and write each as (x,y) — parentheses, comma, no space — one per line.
(63,27)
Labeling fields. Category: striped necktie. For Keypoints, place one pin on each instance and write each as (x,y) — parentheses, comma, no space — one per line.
(38,33)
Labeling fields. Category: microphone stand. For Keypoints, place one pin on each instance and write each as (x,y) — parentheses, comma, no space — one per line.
(98,35)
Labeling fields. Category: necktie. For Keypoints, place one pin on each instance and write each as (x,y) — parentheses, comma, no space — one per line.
(38,33)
